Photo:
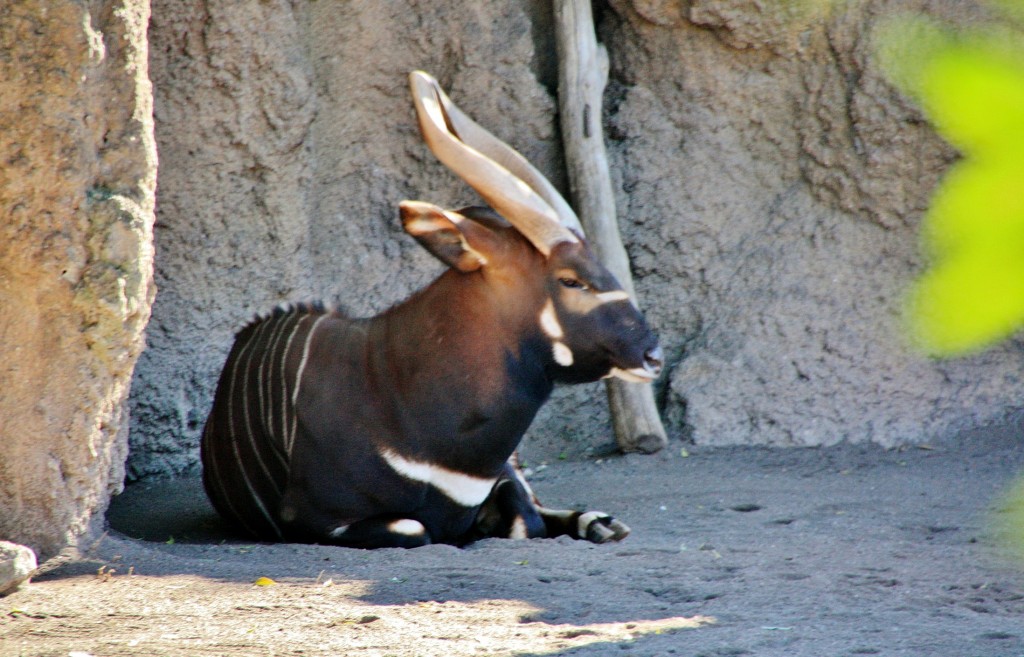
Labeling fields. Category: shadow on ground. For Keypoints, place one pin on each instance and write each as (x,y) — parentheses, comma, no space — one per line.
(850,550)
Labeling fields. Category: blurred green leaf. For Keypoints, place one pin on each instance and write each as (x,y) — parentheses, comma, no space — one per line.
(970,84)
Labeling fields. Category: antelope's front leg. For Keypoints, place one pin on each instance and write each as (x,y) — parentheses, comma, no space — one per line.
(593,526)
(509,511)
(513,511)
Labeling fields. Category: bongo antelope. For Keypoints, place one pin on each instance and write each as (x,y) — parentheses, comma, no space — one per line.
(400,430)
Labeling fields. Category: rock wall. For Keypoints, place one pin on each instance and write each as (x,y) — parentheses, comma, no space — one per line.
(77,176)
(769,184)
(774,182)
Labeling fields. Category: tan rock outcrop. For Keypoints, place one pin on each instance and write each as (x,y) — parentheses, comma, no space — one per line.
(77,176)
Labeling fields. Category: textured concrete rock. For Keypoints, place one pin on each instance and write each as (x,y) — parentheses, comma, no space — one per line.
(77,174)
(770,183)
(17,563)
(774,181)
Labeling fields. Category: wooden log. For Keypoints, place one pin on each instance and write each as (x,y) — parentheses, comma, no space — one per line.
(582,76)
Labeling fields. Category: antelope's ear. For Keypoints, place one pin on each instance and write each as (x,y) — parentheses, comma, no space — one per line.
(445,233)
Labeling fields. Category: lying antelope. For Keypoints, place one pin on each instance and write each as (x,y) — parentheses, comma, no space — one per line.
(400,430)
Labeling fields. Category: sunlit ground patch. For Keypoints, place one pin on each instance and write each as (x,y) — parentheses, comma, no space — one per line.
(121,614)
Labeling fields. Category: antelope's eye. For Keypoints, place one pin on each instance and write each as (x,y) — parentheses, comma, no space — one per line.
(572,283)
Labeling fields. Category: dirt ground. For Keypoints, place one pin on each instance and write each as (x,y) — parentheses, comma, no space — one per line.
(850,550)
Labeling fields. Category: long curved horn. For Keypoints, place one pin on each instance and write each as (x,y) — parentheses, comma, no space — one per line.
(498,173)
(476,136)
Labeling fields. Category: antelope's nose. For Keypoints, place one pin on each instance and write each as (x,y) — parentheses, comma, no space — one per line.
(653,360)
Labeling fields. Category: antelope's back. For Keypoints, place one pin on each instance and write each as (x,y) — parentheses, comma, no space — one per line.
(249,434)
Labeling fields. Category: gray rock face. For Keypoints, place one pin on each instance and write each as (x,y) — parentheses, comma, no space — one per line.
(17,563)
(77,177)
(769,183)
(773,185)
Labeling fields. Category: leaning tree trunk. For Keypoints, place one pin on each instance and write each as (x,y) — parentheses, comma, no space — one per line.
(582,75)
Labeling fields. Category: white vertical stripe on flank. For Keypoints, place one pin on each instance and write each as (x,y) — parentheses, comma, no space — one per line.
(285,397)
(298,381)
(278,439)
(231,385)
(252,438)
(252,491)
(214,475)
(267,362)
(233,438)
(249,348)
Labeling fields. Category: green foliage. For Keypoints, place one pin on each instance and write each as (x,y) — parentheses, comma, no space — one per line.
(970,84)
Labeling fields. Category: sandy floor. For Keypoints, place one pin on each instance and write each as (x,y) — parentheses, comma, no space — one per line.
(823,552)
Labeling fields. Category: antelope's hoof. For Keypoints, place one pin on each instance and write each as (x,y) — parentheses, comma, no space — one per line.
(599,527)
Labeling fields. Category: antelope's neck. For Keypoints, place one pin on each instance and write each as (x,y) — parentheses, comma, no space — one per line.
(466,376)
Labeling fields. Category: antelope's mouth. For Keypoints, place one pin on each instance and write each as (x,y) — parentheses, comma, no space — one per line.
(649,371)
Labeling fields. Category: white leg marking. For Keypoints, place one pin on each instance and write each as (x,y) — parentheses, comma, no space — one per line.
(518,529)
(298,380)
(338,531)
(522,481)
(584,521)
(549,322)
(563,354)
(561,514)
(464,489)
(408,527)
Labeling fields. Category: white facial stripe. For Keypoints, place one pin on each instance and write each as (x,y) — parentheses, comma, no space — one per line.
(563,355)
(614,295)
(408,527)
(464,489)
(549,322)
